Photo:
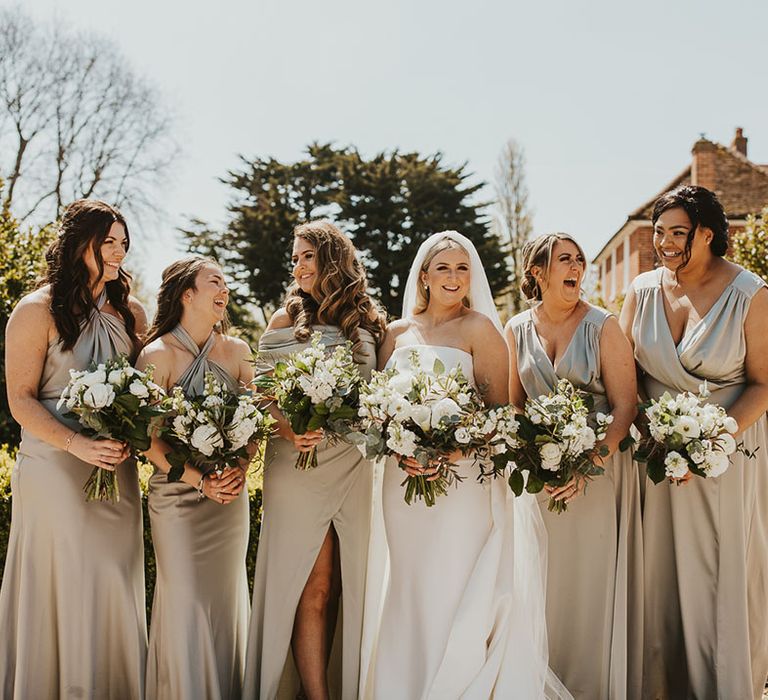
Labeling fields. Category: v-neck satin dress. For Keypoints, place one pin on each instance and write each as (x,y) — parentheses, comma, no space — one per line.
(199,624)
(72,609)
(594,576)
(706,543)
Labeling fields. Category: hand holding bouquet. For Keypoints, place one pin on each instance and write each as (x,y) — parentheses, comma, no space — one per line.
(112,400)
(422,415)
(212,431)
(315,389)
(558,442)
(687,436)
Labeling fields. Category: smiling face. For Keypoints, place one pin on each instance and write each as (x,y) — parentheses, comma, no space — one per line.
(565,274)
(112,251)
(447,276)
(670,236)
(304,261)
(210,296)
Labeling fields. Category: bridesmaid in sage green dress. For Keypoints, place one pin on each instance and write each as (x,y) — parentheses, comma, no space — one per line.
(72,610)
(313,544)
(199,524)
(594,604)
(700,317)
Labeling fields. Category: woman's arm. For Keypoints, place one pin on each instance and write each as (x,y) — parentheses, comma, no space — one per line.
(490,358)
(517,394)
(617,367)
(753,402)
(626,319)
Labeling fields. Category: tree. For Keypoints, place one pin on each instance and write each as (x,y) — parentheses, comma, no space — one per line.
(75,121)
(22,263)
(749,247)
(513,217)
(388,205)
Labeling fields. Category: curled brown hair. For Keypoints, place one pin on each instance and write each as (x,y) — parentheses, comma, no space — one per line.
(340,296)
(178,277)
(538,253)
(422,294)
(85,224)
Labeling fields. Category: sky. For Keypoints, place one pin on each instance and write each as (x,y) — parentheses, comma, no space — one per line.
(606,97)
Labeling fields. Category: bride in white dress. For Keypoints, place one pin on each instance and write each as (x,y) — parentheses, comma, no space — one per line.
(455,596)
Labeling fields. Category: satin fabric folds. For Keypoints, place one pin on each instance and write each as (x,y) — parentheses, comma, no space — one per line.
(72,609)
(594,573)
(706,543)
(299,507)
(200,609)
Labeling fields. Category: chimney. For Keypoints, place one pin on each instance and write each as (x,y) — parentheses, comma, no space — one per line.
(739,142)
(703,167)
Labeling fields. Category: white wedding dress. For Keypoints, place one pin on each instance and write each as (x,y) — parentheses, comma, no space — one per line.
(453,609)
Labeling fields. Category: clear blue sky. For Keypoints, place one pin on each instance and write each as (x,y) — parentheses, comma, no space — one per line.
(606,97)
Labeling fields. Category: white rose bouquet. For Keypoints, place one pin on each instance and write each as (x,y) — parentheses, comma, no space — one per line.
(557,442)
(687,435)
(425,416)
(316,389)
(213,430)
(112,400)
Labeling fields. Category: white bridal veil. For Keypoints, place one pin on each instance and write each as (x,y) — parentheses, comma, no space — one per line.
(523,671)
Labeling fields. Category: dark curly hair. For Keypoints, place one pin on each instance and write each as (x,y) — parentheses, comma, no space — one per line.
(340,295)
(85,224)
(703,209)
(177,278)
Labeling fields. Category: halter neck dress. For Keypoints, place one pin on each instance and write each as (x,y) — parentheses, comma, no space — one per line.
(299,507)
(72,609)
(200,610)
(706,543)
(594,602)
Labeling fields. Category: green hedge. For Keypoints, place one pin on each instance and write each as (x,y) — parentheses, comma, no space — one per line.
(254,494)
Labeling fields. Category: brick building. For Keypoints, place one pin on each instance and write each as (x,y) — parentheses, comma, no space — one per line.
(740,184)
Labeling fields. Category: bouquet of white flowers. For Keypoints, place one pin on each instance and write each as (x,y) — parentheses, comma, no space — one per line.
(687,435)
(557,442)
(112,400)
(425,416)
(212,430)
(315,389)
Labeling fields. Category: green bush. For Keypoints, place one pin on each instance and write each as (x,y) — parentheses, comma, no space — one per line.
(7,457)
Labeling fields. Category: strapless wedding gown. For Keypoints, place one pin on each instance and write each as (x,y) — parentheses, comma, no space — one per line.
(449,610)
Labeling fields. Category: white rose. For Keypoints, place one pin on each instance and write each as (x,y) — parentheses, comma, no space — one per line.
(731,425)
(205,439)
(462,436)
(241,433)
(727,443)
(715,464)
(138,389)
(116,376)
(676,465)
(98,376)
(550,454)
(99,395)
(444,408)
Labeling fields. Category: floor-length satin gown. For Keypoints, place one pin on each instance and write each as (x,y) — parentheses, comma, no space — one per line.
(299,507)
(72,609)
(200,610)
(594,574)
(444,625)
(705,543)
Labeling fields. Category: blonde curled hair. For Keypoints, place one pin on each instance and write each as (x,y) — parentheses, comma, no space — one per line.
(538,253)
(422,293)
(340,296)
